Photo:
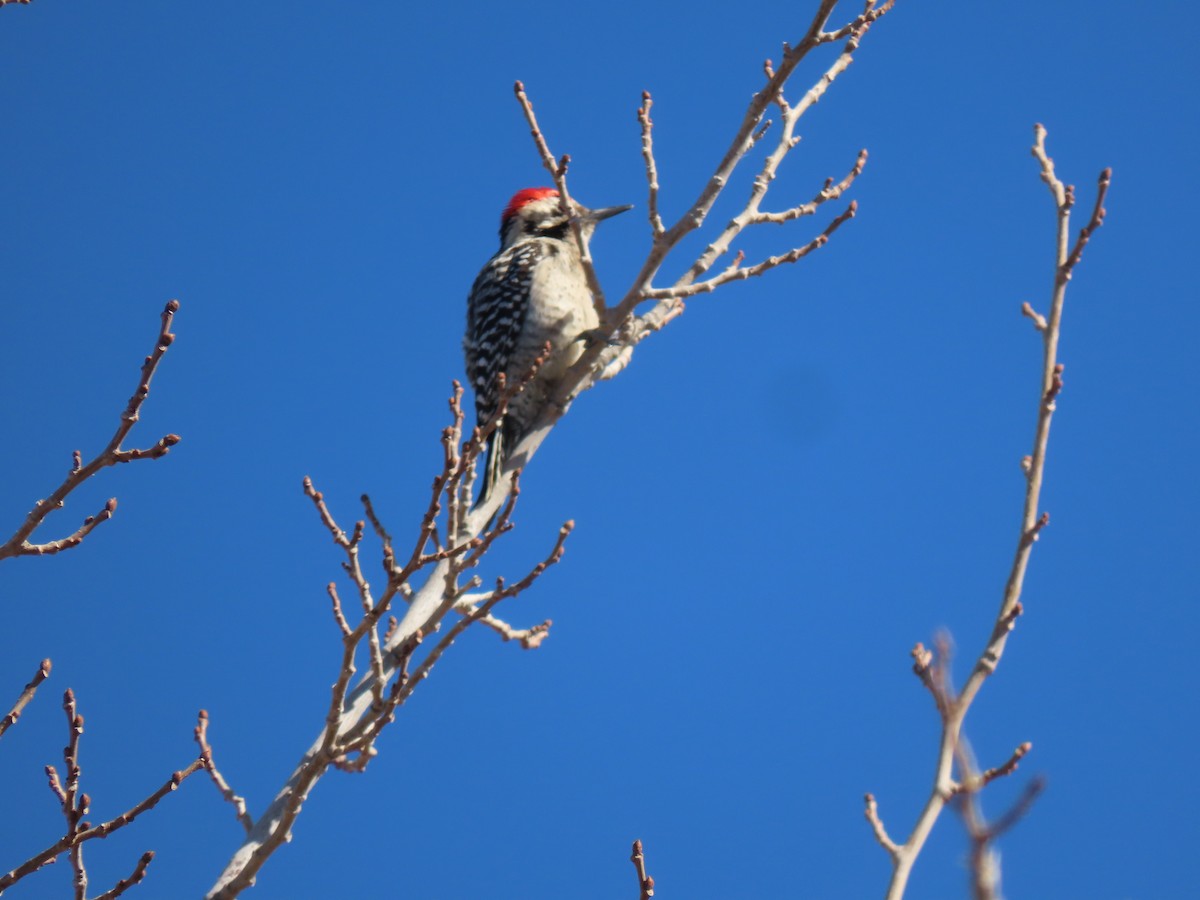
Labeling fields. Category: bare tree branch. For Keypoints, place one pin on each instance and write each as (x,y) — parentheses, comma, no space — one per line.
(136,877)
(983,860)
(75,806)
(983,779)
(111,455)
(881,835)
(206,757)
(645,882)
(933,669)
(355,718)
(745,138)
(530,638)
(558,171)
(736,273)
(27,693)
(656,222)
(831,191)
(453,536)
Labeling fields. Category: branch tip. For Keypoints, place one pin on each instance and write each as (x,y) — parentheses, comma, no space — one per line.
(871,813)
(645,881)
(1039,321)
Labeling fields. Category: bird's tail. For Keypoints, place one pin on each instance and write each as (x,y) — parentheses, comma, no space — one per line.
(499,446)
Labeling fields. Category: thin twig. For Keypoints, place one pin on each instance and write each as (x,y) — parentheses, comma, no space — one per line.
(983,860)
(228,793)
(382,533)
(75,806)
(102,830)
(737,273)
(362,739)
(27,693)
(989,775)
(136,877)
(338,615)
(529,638)
(111,455)
(831,191)
(1039,321)
(645,882)
(872,813)
(500,593)
(558,171)
(656,222)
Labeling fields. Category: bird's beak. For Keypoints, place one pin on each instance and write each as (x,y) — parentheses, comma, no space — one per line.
(599,215)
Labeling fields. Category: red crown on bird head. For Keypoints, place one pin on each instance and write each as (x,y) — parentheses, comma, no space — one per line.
(523,197)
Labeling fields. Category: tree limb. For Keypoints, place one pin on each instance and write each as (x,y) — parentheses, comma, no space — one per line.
(933,669)
(111,455)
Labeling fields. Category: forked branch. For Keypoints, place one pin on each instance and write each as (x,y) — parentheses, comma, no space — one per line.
(76,805)
(933,668)
(358,713)
(19,544)
(227,793)
(983,861)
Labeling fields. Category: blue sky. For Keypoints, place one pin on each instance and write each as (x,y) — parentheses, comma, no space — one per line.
(789,487)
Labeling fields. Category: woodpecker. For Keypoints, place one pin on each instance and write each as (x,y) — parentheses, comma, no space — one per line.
(532,292)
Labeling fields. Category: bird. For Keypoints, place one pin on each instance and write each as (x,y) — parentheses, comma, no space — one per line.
(531,294)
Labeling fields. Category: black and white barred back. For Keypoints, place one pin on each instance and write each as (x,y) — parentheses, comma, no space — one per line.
(496,312)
